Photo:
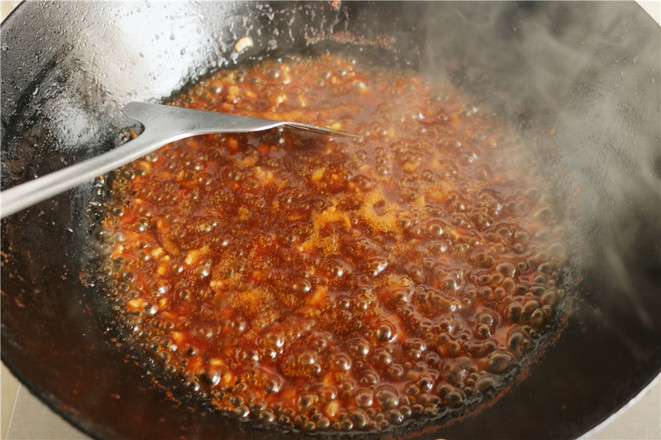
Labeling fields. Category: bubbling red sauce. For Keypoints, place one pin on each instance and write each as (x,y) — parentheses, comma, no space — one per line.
(334,283)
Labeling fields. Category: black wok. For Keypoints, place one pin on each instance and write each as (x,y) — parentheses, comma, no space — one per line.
(588,70)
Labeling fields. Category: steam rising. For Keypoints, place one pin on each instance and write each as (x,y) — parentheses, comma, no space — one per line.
(595,81)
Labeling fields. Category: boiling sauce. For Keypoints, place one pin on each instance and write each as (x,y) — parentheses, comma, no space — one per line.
(334,283)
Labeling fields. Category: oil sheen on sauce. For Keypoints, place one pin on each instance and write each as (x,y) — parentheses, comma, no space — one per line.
(332,283)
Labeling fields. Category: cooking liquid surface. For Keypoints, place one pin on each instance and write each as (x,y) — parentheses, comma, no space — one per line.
(335,283)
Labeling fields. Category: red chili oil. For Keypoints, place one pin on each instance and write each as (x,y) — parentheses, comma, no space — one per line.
(335,283)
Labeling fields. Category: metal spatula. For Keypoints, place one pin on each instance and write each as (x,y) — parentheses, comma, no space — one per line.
(162,125)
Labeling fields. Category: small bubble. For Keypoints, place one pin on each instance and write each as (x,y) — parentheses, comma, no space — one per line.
(274,339)
(360,347)
(307,358)
(394,416)
(202,271)
(383,358)
(530,306)
(538,318)
(128,277)
(513,312)
(364,398)
(272,386)
(323,423)
(485,384)
(210,377)
(518,341)
(161,287)
(451,284)
(363,182)
(342,362)
(305,400)
(396,371)
(301,286)
(435,229)
(193,386)
(337,268)
(499,362)
(346,425)
(454,398)
(242,411)
(150,309)
(376,265)
(545,214)
(359,418)
(507,269)
(549,297)
(387,398)
(266,416)
(385,332)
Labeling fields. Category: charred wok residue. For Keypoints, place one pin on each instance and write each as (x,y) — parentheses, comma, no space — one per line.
(337,284)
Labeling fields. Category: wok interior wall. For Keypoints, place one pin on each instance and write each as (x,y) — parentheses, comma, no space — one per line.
(591,71)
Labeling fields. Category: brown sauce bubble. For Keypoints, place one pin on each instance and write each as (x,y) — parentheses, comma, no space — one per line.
(328,283)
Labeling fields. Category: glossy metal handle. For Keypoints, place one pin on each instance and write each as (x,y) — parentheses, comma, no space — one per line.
(163,125)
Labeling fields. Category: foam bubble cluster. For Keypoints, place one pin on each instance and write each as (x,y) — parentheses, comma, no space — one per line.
(339,284)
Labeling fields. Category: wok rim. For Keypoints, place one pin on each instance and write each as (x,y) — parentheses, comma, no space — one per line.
(94,429)
(623,409)
(51,402)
